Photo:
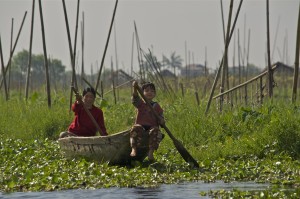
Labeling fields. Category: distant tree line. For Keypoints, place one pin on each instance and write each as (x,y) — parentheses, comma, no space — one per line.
(18,71)
(60,78)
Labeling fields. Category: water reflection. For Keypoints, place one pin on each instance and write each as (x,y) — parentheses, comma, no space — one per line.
(174,191)
(149,193)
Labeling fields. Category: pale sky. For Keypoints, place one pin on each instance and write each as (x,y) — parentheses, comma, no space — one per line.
(164,26)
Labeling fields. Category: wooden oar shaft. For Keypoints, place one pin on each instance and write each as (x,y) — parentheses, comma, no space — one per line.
(89,113)
(183,152)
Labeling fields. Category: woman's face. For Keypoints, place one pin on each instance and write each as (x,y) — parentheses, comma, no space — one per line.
(88,99)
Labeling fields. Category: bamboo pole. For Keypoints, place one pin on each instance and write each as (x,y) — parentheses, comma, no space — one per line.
(261,90)
(138,46)
(248,50)
(296,68)
(113,81)
(223,24)
(118,86)
(13,49)
(75,48)
(186,70)
(132,51)
(153,63)
(270,74)
(73,79)
(117,62)
(247,67)
(275,39)
(30,52)
(10,50)
(82,47)
(218,71)
(182,89)
(225,62)
(2,68)
(45,55)
(245,83)
(106,45)
(197,98)
(239,57)
(76,30)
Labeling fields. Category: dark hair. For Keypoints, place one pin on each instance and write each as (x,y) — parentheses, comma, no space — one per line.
(148,84)
(89,89)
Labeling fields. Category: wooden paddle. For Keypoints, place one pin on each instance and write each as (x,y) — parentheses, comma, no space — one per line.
(88,112)
(183,152)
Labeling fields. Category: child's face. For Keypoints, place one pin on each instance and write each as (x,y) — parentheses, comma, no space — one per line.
(149,93)
(88,99)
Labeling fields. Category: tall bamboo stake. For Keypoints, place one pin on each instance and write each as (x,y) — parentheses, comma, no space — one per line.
(131,62)
(225,63)
(223,25)
(10,50)
(270,72)
(45,55)
(247,58)
(13,49)
(186,69)
(275,39)
(296,69)
(139,53)
(82,47)
(2,68)
(106,45)
(73,79)
(76,30)
(113,81)
(30,52)
(239,57)
(219,69)
(117,62)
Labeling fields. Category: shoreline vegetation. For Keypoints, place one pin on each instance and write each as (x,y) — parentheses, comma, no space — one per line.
(259,144)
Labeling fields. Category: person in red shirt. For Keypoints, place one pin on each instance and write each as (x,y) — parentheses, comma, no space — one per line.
(146,122)
(82,124)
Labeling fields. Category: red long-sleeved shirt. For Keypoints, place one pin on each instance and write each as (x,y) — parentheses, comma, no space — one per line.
(82,125)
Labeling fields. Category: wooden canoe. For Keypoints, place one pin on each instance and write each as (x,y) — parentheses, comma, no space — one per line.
(114,149)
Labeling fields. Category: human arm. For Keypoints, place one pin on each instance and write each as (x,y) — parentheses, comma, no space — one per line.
(134,85)
(101,123)
(135,99)
(78,98)
(77,105)
(161,121)
(160,116)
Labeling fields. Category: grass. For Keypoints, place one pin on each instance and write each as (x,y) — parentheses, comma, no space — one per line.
(242,131)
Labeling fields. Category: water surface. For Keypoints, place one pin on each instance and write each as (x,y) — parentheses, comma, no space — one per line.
(188,190)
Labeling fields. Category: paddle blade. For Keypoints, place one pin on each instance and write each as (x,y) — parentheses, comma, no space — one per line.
(185,154)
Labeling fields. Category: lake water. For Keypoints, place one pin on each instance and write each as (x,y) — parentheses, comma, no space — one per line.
(174,191)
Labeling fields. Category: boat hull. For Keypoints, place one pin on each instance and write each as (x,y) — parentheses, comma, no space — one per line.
(114,149)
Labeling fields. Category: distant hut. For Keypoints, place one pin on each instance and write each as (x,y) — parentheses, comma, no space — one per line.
(283,69)
(193,70)
(167,73)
